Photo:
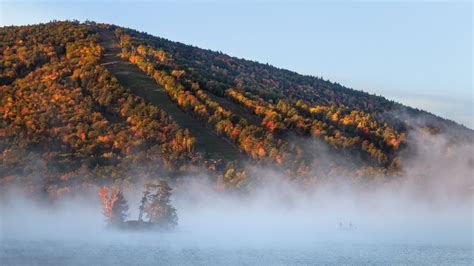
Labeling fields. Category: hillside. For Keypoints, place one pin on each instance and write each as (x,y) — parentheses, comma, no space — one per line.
(86,103)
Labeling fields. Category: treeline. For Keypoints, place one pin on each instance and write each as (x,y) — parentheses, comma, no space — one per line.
(24,48)
(350,130)
(73,117)
(220,71)
(339,126)
(64,111)
(252,139)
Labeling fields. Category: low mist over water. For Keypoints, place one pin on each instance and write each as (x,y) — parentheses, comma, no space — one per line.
(278,222)
(275,226)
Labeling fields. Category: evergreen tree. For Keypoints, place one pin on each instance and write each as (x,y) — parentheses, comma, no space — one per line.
(119,210)
(158,206)
(143,202)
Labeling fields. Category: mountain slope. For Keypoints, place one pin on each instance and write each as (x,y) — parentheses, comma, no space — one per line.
(94,103)
(131,77)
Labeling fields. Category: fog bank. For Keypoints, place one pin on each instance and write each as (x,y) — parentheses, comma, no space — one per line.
(431,202)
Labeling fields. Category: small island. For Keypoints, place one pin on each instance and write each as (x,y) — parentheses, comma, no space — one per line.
(156,211)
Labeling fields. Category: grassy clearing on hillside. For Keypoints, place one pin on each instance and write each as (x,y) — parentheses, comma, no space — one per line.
(140,84)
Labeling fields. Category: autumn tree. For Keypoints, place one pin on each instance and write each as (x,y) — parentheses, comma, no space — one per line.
(115,206)
(157,206)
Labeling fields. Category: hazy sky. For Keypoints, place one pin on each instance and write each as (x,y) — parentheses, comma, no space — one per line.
(419,54)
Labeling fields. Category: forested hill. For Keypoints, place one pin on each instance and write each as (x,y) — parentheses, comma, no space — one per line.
(85,103)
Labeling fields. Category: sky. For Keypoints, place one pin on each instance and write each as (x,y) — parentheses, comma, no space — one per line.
(416,53)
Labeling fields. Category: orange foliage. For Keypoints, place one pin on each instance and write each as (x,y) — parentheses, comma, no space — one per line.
(234,133)
(394,142)
(278,159)
(271,126)
(25,111)
(108,198)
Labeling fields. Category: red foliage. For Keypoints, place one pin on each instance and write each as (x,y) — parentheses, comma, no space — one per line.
(25,111)
(108,198)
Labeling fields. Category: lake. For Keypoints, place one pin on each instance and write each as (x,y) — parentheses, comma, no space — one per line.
(51,252)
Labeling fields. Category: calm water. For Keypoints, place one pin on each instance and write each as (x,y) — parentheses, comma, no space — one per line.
(84,253)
